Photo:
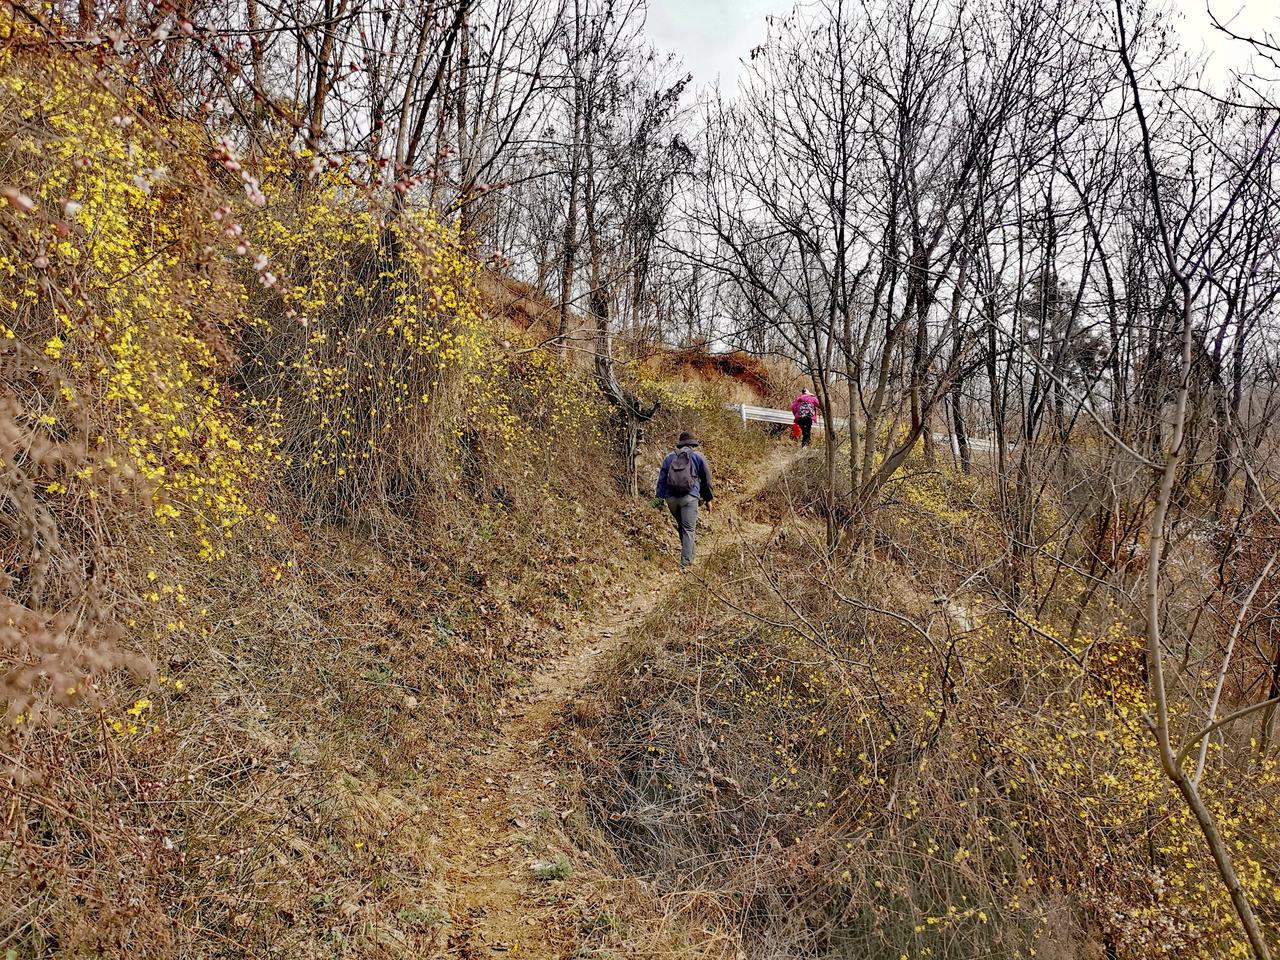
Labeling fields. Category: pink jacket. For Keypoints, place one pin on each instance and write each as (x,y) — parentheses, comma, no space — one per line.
(806,398)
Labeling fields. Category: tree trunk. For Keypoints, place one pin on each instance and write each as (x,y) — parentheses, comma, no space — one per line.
(631,412)
(411,89)
(323,78)
(1269,713)
(255,59)
(464,134)
(569,248)
(958,429)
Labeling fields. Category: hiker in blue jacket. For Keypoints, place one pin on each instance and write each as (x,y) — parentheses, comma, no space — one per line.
(683,482)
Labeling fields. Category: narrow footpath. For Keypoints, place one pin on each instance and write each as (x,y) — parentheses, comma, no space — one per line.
(505,801)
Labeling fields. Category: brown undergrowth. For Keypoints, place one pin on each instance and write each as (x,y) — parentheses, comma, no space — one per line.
(269,788)
(870,757)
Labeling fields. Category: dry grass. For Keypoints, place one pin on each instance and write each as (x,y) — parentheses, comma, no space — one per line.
(276,801)
(752,377)
(865,758)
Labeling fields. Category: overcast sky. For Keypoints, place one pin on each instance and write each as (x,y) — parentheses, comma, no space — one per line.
(711,36)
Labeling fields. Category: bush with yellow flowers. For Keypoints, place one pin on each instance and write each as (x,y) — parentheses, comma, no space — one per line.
(118,416)
(362,330)
(101,282)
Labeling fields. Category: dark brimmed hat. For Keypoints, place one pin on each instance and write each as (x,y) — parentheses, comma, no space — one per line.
(687,439)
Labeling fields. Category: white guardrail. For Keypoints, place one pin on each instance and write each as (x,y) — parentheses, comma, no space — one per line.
(784,417)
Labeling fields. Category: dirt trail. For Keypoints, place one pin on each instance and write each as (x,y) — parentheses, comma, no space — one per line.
(504,796)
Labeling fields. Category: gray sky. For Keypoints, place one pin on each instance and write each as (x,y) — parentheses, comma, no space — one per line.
(711,35)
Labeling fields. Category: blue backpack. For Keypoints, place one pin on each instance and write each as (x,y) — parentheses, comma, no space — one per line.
(681,473)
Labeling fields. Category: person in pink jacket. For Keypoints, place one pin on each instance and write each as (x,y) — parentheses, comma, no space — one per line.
(806,408)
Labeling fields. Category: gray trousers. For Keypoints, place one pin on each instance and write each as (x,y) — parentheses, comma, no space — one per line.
(684,511)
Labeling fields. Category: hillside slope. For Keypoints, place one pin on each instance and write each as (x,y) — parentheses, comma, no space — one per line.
(288,512)
(869,755)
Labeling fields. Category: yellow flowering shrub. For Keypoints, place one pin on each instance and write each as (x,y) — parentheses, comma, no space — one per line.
(653,384)
(107,285)
(1110,829)
(368,331)
(361,330)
